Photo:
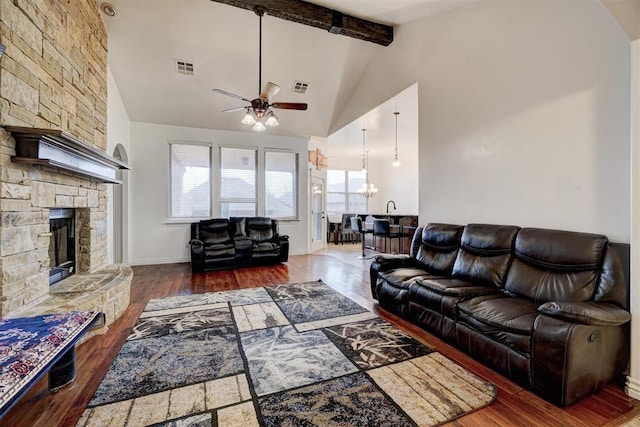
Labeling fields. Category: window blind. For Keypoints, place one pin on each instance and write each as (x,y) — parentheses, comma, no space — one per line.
(190,195)
(281,184)
(237,181)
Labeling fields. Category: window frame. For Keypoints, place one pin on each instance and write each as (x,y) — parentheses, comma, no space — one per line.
(220,200)
(215,180)
(188,219)
(347,194)
(295,186)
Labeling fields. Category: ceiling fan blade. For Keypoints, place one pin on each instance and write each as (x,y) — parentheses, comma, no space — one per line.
(233,95)
(229,110)
(269,91)
(289,105)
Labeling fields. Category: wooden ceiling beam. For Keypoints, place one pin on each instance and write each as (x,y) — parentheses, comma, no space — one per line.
(313,15)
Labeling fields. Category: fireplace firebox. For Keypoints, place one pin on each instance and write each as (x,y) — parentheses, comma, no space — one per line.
(62,246)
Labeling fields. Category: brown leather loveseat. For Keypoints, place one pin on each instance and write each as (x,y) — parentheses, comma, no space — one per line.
(547,308)
(219,243)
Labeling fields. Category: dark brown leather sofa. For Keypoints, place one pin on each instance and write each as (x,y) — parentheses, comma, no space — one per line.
(547,308)
(220,243)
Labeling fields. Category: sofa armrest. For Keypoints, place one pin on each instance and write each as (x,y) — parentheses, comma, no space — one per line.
(586,313)
(197,255)
(284,247)
(386,262)
(570,360)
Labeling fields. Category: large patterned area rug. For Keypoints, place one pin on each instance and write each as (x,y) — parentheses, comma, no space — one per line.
(289,355)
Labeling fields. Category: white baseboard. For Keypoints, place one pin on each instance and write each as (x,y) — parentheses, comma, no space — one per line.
(158,261)
(181,260)
(632,388)
(298,252)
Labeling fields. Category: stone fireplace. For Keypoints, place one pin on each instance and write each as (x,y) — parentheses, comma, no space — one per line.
(53,76)
(25,229)
(62,244)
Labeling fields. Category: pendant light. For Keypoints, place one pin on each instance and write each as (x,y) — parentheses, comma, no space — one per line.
(368,190)
(396,161)
(364,161)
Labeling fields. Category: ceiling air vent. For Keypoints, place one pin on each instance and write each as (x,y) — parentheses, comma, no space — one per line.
(300,87)
(184,67)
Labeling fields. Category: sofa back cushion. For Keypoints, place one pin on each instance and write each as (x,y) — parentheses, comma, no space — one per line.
(555,265)
(437,247)
(214,231)
(614,282)
(485,253)
(238,225)
(260,229)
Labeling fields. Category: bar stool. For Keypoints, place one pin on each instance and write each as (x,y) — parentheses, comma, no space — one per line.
(356,226)
(382,228)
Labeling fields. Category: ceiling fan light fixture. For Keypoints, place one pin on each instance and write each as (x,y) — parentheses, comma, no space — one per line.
(248,118)
(259,113)
(259,126)
(272,120)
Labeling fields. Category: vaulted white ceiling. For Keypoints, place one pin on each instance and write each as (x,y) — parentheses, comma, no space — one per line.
(146,37)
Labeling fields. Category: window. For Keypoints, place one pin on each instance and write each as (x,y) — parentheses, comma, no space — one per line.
(237,182)
(356,202)
(281,184)
(342,191)
(336,190)
(190,186)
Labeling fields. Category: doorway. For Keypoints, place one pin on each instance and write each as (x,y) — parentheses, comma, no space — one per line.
(120,209)
(318,216)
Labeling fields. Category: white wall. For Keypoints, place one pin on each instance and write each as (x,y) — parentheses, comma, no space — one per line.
(633,381)
(524,114)
(118,129)
(400,184)
(152,239)
(397,184)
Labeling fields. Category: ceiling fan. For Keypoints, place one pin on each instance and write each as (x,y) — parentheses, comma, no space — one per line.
(261,108)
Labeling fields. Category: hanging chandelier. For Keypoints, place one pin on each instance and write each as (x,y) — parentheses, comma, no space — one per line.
(396,161)
(368,190)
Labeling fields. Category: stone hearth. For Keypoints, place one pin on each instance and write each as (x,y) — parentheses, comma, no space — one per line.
(105,290)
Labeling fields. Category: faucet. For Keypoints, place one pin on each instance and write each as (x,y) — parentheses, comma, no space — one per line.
(394,205)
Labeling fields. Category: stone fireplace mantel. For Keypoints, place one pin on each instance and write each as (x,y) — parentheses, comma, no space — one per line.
(28,193)
(56,148)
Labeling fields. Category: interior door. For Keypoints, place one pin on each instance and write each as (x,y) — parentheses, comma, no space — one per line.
(318,217)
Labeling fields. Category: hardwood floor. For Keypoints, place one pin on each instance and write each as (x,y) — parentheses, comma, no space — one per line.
(338,267)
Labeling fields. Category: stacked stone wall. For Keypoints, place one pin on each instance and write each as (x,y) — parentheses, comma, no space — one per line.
(52,75)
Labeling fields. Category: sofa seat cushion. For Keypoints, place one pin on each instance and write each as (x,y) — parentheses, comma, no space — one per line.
(508,320)
(454,287)
(403,277)
(215,237)
(222,250)
(262,247)
(443,294)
